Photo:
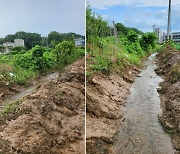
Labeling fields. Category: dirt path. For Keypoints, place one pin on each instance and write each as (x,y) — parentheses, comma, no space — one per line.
(29,90)
(141,132)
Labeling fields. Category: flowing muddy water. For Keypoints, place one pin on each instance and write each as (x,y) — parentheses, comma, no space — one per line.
(29,90)
(141,133)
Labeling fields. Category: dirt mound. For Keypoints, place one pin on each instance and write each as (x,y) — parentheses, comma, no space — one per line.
(51,120)
(106,95)
(169,68)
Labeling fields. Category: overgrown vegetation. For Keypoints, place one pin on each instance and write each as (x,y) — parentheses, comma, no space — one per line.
(175,45)
(19,66)
(114,53)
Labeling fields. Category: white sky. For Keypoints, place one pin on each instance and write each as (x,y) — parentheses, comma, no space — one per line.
(42,16)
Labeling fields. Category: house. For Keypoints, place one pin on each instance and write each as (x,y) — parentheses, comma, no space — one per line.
(175,36)
(160,34)
(16,43)
(10,45)
(79,42)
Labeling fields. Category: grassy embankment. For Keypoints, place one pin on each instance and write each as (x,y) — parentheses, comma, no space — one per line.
(112,55)
(108,53)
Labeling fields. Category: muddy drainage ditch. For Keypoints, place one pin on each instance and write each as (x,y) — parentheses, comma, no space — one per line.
(141,131)
(29,90)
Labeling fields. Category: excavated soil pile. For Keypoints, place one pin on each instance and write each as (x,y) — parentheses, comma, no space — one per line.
(106,95)
(51,120)
(169,69)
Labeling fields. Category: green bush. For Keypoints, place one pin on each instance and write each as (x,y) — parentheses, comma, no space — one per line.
(148,41)
(64,52)
(19,66)
(37,59)
(132,36)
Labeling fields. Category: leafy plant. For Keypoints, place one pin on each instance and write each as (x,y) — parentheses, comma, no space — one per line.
(148,41)
(64,52)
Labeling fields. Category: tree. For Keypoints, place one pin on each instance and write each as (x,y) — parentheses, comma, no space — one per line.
(37,56)
(148,40)
(54,38)
(132,36)
(64,51)
(96,26)
(9,38)
(122,30)
(2,49)
(1,40)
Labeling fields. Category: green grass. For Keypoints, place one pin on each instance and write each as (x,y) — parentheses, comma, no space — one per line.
(108,54)
(10,107)
(177,46)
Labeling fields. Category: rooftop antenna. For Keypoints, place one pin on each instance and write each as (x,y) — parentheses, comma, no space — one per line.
(154,27)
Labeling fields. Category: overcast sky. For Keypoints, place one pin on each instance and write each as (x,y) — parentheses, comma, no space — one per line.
(42,16)
(141,14)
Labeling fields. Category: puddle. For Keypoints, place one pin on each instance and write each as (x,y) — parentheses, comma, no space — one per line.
(141,133)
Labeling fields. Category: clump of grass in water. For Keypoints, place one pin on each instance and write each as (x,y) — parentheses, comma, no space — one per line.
(10,107)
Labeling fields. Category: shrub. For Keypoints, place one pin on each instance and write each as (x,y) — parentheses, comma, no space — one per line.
(64,52)
(148,41)
(132,36)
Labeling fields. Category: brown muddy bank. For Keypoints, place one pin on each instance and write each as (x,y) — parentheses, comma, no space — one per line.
(169,68)
(49,121)
(106,95)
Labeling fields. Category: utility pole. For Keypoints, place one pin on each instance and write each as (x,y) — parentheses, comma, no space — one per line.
(115,32)
(169,21)
(114,27)
(42,40)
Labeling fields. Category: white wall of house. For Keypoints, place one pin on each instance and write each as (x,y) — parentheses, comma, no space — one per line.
(18,43)
(80,42)
(160,34)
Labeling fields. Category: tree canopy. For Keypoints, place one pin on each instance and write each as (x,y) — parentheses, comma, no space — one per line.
(123,30)
(33,39)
